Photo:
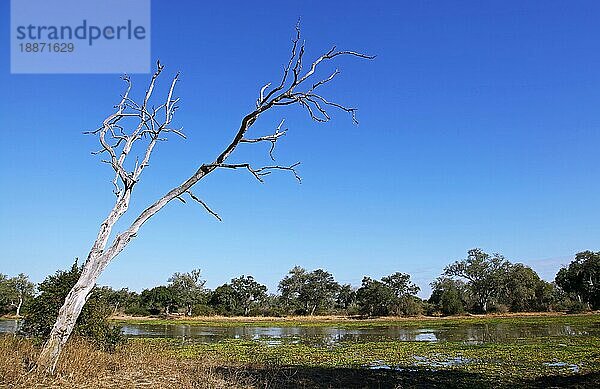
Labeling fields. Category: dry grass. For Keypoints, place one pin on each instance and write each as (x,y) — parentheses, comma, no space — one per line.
(135,365)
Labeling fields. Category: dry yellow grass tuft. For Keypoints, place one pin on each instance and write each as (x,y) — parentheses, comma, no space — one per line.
(135,365)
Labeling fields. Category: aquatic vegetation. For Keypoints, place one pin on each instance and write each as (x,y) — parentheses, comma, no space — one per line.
(516,360)
(507,360)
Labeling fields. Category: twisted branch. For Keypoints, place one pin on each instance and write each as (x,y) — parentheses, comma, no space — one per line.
(289,91)
(273,138)
(263,171)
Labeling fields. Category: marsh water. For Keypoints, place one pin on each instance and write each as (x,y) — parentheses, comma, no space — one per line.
(327,335)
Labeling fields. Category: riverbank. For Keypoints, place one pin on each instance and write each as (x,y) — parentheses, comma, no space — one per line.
(349,322)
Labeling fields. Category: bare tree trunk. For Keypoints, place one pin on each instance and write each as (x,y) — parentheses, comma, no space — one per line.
(69,312)
(67,316)
(65,323)
(19,306)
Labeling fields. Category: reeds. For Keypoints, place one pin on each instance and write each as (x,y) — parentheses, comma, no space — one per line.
(134,365)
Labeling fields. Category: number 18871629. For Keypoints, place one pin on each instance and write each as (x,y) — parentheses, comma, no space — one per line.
(41,47)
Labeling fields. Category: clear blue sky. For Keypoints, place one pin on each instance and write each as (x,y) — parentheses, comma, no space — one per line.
(479,127)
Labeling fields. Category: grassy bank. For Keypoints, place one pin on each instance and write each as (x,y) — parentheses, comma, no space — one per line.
(353,322)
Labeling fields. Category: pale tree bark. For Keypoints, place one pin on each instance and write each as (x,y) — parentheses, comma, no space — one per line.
(152,125)
(18,305)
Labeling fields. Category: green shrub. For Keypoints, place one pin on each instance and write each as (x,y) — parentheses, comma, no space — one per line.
(577,307)
(451,302)
(202,310)
(136,311)
(92,323)
(410,306)
(498,308)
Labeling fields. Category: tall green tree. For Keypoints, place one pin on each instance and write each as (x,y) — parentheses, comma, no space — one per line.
(548,296)
(450,296)
(520,288)
(187,288)
(581,278)
(247,292)
(319,291)
(224,300)
(5,294)
(404,291)
(484,274)
(22,289)
(346,297)
(159,299)
(374,297)
(309,292)
(291,287)
(15,291)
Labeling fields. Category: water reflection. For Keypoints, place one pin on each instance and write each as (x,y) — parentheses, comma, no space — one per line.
(9,326)
(470,333)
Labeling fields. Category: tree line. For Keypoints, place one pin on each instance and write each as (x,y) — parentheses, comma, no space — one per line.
(479,283)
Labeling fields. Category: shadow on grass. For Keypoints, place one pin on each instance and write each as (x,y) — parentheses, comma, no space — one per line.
(319,377)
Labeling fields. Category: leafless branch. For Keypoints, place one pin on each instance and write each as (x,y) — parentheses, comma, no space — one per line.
(206,207)
(263,171)
(118,142)
(286,70)
(273,138)
(286,93)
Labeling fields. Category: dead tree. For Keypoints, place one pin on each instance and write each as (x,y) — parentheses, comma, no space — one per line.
(141,123)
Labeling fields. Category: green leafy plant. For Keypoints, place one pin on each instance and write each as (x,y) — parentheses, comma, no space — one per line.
(92,323)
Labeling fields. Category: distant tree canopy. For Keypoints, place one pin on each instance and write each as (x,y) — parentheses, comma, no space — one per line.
(187,288)
(14,293)
(483,273)
(308,292)
(247,293)
(223,300)
(160,299)
(393,295)
(581,278)
(239,297)
(522,290)
(374,297)
(481,282)
(449,295)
